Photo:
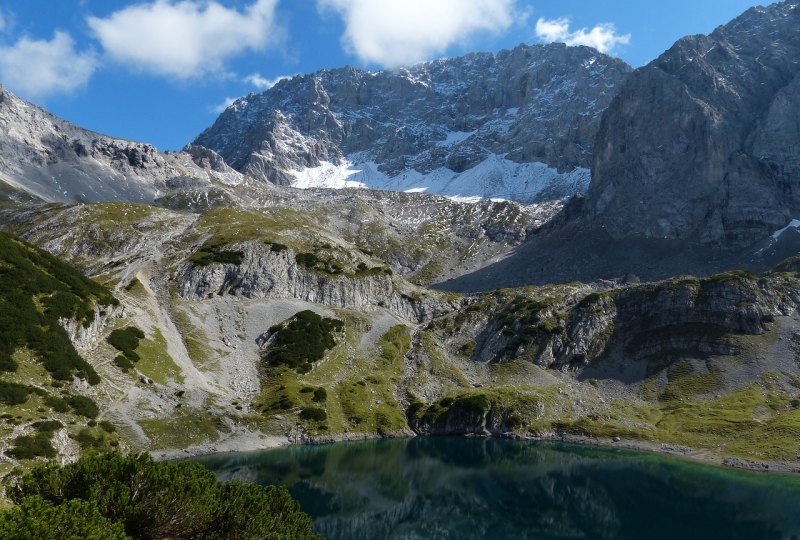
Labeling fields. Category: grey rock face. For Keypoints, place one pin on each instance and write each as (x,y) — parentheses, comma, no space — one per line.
(267,274)
(84,337)
(702,144)
(530,104)
(647,326)
(53,160)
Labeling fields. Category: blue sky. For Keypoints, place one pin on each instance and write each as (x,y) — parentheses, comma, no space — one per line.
(158,71)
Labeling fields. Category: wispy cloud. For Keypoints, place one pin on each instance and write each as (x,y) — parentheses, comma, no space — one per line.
(397,32)
(185,39)
(36,68)
(262,83)
(602,37)
(220,107)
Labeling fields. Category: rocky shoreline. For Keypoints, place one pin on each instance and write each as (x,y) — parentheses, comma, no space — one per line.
(252,442)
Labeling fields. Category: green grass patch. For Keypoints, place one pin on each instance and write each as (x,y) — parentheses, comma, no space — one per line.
(683,382)
(155,362)
(182,429)
(276,225)
(92,440)
(193,337)
(134,287)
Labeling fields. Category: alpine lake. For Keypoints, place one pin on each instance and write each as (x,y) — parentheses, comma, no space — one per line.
(465,488)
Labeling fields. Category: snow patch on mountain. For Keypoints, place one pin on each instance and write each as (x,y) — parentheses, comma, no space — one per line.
(494,178)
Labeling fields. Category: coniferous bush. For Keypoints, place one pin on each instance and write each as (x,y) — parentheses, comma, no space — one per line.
(302,341)
(14,394)
(126,341)
(38,291)
(31,446)
(161,500)
(36,518)
(84,406)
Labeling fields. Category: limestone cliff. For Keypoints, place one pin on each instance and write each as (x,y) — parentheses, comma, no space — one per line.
(700,144)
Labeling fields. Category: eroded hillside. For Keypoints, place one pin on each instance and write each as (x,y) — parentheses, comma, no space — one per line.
(244,329)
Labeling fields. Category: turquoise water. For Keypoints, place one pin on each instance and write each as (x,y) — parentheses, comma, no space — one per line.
(463,488)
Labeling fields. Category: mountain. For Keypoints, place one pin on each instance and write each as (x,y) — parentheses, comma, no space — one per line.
(229,313)
(701,144)
(44,157)
(695,168)
(516,125)
(215,307)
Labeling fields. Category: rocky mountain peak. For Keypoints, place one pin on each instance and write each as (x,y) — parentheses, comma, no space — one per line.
(517,122)
(701,143)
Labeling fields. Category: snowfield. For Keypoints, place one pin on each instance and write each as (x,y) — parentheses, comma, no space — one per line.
(494,178)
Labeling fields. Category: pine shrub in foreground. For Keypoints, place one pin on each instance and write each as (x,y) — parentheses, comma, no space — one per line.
(148,499)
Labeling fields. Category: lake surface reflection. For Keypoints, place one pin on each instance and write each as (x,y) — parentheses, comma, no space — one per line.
(442,488)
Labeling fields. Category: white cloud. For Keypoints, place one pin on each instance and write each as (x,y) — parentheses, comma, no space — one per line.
(397,32)
(602,37)
(256,80)
(36,68)
(185,39)
(227,102)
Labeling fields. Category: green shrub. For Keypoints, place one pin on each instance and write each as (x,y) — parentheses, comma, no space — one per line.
(107,426)
(302,341)
(84,406)
(320,395)
(36,518)
(307,260)
(126,341)
(313,413)
(14,394)
(214,254)
(166,500)
(250,511)
(122,362)
(38,291)
(310,261)
(47,426)
(57,404)
(31,446)
(476,403)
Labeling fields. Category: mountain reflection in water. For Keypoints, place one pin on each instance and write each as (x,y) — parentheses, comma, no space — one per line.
(490,488)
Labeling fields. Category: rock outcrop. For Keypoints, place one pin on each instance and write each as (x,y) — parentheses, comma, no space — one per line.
(50,159)
(84,337)
(648,325)
(268,274)
(701,144)
(55,160)
(533,104)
